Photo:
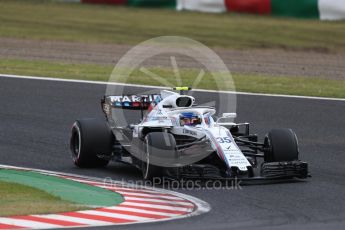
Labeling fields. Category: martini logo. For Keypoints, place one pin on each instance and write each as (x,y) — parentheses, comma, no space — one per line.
(134,98)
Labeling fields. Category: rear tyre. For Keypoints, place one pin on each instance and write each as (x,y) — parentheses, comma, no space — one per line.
(282,145)
(156,144)
(91,138)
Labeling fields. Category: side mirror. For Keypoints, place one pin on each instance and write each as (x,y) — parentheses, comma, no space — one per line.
(225,117)
(229,115)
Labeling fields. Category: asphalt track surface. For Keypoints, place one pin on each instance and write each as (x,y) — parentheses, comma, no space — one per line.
(36,116)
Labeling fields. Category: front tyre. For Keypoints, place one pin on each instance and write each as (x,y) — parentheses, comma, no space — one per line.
(281,145)
(156,144)
(91,143)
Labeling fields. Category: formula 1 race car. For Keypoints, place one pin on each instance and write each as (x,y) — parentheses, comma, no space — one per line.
(176,138)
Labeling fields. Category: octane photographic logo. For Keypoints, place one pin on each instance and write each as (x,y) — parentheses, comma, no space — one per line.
(183,62)
(181,184)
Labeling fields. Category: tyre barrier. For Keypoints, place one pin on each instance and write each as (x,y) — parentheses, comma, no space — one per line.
(321,9)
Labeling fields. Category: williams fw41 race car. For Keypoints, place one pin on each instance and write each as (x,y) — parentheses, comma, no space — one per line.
(175,138)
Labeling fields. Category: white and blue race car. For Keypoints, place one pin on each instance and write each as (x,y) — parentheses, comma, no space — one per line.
(176,138)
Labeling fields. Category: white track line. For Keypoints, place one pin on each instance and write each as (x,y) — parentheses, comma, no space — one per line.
(159,87)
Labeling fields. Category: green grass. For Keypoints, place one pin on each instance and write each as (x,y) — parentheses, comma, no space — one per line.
(16,199)
(109,24)
(306,86)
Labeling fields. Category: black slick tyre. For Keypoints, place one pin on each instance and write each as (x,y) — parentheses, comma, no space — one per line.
(281,145)
(90,139)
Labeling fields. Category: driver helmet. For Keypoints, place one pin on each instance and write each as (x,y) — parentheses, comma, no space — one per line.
(190,119)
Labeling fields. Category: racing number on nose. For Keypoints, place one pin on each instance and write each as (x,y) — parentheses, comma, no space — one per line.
(223,140)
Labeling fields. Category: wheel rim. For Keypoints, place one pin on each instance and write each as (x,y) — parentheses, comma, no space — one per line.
(76,145)
(268,154)
(76,142)
(146,163)
(297,145)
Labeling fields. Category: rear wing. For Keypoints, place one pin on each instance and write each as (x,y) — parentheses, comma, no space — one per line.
(131,102)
